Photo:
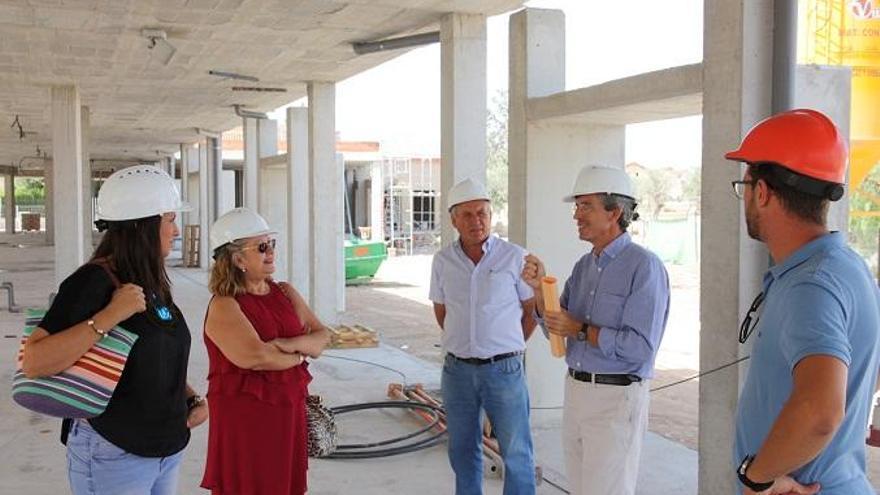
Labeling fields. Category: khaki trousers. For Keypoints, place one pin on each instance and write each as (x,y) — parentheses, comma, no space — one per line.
(603,427)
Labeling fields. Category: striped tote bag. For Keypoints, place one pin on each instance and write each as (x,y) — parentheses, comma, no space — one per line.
(84,389)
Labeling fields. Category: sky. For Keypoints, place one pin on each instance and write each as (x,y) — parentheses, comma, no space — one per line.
(398,103)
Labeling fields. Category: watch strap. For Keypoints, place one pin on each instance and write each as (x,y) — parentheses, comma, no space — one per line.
(755,486)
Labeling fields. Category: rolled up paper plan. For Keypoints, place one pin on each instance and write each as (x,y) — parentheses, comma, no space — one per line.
(551,303)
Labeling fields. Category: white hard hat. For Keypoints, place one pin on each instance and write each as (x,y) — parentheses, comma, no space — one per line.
(466,190)
(236,224)
(138,192)
(598,179)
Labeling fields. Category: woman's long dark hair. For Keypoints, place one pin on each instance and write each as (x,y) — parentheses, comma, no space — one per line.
(132,247)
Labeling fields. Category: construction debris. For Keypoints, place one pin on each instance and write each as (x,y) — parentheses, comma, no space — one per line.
(353,337)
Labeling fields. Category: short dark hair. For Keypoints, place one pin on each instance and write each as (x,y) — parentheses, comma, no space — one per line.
(805,206)
(627,207)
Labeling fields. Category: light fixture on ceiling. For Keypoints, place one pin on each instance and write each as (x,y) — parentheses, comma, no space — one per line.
(259,89)
(412,41)
(233,75)
(163,51)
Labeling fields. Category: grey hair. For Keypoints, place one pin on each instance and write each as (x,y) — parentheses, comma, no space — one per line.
(627,207)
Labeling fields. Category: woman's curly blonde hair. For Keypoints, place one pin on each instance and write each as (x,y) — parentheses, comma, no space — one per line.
(226,278)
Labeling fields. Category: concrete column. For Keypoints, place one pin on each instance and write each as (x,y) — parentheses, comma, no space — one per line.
(215,175)
(298,243)
(377,202)
(204,206)
(85,119)
(737,82)
(251,164)
(462,103)
(67,170)
(267,145)
(185,151)
(49,204)
(9,203)
(829,90)
(325,202)
(544,161)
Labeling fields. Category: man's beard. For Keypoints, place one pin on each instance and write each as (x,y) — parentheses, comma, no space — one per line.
(752,223)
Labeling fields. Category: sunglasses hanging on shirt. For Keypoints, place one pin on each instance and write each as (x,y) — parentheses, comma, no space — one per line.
(748,326)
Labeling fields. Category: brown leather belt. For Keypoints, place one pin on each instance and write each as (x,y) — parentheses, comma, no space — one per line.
(585,376)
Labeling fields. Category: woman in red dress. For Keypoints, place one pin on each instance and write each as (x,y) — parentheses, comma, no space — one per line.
(258,334)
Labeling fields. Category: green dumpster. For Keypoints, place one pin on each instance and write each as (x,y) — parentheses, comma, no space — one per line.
(362,259)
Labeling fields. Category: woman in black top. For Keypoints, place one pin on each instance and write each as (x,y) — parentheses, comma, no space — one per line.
(135,446)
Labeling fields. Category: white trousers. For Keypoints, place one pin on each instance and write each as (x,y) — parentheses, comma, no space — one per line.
(602,431)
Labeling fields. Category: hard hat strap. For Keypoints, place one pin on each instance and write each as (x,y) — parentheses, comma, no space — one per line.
(779,176)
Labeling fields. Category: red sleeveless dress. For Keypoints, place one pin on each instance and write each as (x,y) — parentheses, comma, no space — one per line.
(257,437)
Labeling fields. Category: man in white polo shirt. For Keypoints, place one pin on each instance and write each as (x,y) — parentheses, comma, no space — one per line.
(486,312)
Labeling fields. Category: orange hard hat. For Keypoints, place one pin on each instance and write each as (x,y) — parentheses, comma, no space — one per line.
(804,141)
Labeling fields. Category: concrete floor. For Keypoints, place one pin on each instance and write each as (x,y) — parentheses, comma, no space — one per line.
(32,461)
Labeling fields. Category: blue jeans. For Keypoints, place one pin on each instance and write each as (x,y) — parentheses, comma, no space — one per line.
(498,388)
(97,467)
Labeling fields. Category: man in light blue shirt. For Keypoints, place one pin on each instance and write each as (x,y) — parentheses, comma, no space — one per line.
(485,311)
(803,412)
(614,311)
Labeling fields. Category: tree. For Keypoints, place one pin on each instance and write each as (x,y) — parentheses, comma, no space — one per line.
(29,191)
(496,152)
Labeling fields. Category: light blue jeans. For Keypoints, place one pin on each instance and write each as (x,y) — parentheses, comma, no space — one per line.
(97,467)
(498,388)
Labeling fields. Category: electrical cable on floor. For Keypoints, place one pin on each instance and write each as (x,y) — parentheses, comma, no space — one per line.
(371,363)
(369,450)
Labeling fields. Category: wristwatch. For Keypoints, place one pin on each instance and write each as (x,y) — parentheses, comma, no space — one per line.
(751,485)
(194,401)
(582,333)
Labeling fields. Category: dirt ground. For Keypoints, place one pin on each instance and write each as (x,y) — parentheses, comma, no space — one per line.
(396,304)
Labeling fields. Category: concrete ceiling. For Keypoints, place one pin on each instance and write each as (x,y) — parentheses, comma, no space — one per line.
(142,108)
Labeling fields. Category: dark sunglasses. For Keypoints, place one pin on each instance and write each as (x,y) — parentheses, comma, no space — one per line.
(748,326)
(262,247)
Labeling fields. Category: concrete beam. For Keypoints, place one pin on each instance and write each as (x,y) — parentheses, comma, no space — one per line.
(67,170)
(462,104)
(298,245)
(737,82)
(674,92)
(325,203)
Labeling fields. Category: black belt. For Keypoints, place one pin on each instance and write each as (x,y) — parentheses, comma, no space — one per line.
(482,361)
(585,376)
